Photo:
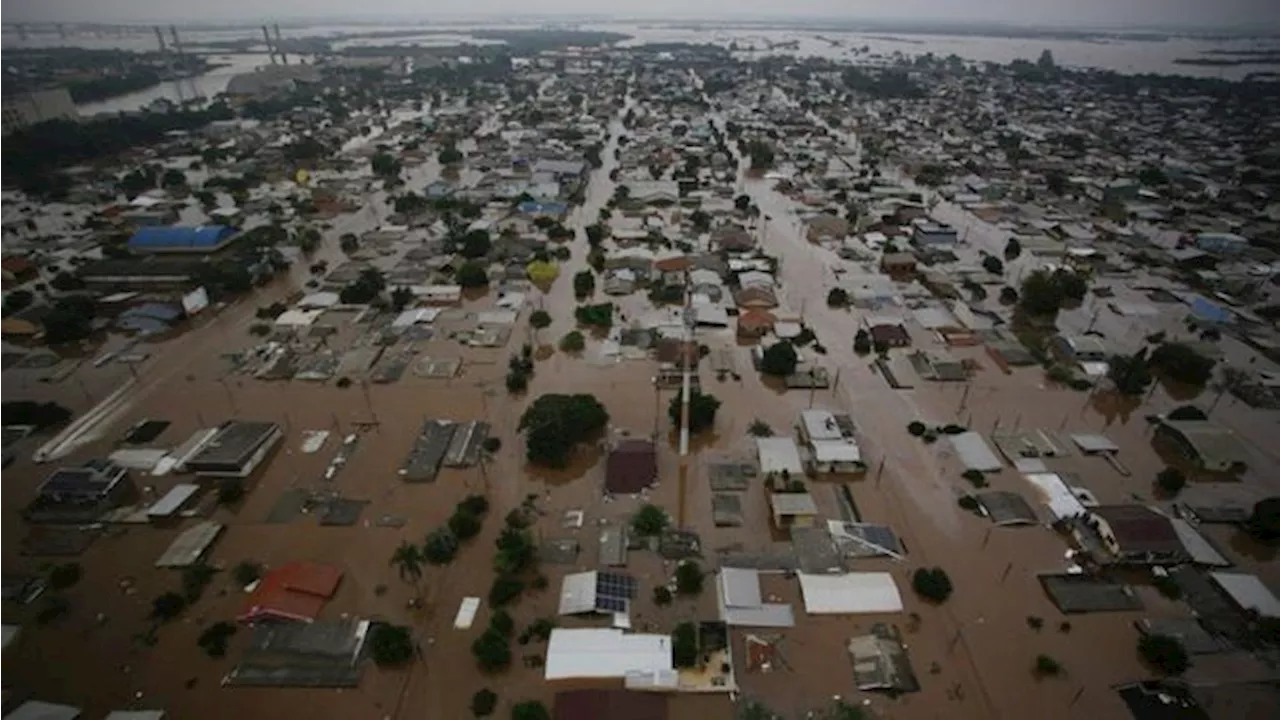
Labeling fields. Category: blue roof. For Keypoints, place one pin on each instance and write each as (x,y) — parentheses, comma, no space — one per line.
(1209,311)
(531,207)
(203,236)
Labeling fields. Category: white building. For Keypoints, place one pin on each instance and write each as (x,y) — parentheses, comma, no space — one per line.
(28,108)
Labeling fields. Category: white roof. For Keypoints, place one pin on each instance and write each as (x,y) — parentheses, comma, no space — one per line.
(1201,551)
(1248,592)
(836,451)
(578,593)
(1055,493)
(415,316)
(739,599)
(820,425)
(975,453)
(755,278)
(187,548)
(466,613)
(866,592)
(496,317)
(707,314)
(40,710)
(778,454)
(512,301)
(173,500)
(437,292)
(787,329)
(793,504)
(605,653)
(1094,443)
(298,318)
(319,300)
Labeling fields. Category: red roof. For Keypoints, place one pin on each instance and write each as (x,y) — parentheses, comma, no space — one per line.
(632,467)
(296,591)
(17,265)
(673,264)
(609,705)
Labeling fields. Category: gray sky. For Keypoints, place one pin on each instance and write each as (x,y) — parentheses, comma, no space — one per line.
(1082,13)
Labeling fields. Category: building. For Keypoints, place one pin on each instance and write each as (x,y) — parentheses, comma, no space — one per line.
(826,227)
(202,239)
(930,235)
(1082,350)
(148,273)
(632,466)
(270,80)
(609,705)
(607,653)
(1134,534)
(830,440)
(597,592)
(24,109)
(236,449)
(1209,446)
(899,264)
(81,494)
(1221,243)
(294,592)
(792,510)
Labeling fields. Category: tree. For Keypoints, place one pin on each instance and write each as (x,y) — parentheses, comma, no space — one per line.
(401,297)
(1171,481)
(70,320)
(862,341)
(476,244)
(595,234)
(246,573)
(391,644)
(385,166)
(649,520)
(464,524)
(1130,373)
(450,155)
(1264,522)
(1165,654)
(167,606)
(530,710)
(837,298)
(484,702)
(779,360)
(309,240)
(1046,666)
(364,289)
(492,651)
(440,548)
(471,275)
(701,221)
(1046,60)
(407,560)
(173,178)
(684,645)
(1182,363)
(993,265)
(931,584)
(742,202)
(554,424)
(1012,249)
(516,550)
(688,578)
(1040,295)
(348,243)
(502,623)
(572,342)
(504,590)
(17,301)
(662,595)
(65,575)
(598,315)
(539,319)
(230,491)
(702,411)
(215,637)
(28,412)
(584,284)
(1187,412)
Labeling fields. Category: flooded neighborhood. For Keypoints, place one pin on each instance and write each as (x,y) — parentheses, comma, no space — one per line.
(637,371)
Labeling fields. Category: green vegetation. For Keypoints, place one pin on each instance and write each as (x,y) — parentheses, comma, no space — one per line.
(976,477)
(348,243)
(407,560)
(195,578)
(779,360)
(1182,363)
(573,342)
(502,623)
(916,428)
(837,298)
(492,651)
(230,491)
(702,411)
(1130,374)
(1165,654)
(530,710)
(1264,521)
(464,525)
(28,412)
(932,584)
(595,234)
(246,572)
(484,702)
(554,424)
(390,644)
(540,319)
(441,546)
(1187,412)
(600,315)
(1046,666)
(684,645)
(167,606)
(364,289)
(1012,249)
(475,244)
(688,578)
(214,639)
(584,284)
(662,595)
(1171,481)
(17,301)
(1044,293)
(450,155)
(65,575)
(759,428)
(1008,296)
(649,520)
(504,590)
(69,320)
(471,274)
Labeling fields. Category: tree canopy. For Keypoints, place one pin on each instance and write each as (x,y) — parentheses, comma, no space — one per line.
(1182,363)
(1264,522)
(1044,293)
(702,410)
(475,244)
(471,274)
(554,424)
(1164,653)
(649,520)
(391,644)
(779,359)
(1130,374)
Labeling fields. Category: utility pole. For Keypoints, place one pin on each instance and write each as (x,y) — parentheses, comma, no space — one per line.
(284,59)
(270,48)
(685,390)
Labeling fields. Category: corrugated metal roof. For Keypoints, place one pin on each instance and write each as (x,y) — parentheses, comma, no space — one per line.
(1248,592)
(975,453)
(604,653)
(202,236)
(868,592)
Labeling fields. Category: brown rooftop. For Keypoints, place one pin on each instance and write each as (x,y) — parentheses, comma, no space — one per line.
(632,467)
(609,705)
(1138,529)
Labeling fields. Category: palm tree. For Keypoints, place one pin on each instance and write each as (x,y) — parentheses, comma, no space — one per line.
(408,562)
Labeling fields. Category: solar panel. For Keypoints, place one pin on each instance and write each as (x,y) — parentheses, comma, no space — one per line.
(611,604)
(612,584)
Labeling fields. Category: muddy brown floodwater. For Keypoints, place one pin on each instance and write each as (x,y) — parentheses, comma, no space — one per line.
(973,654)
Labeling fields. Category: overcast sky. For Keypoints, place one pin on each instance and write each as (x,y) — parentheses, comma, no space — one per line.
(1082,13)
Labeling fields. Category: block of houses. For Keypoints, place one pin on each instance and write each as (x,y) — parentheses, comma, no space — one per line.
(931,235)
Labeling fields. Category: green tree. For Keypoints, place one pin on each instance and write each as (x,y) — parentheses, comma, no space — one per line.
(484,702)
(450,155)
(471,275)
(348,243)
(530,710)
(1182,363)
(464,525)
(1046,666)
(441,547)
(385,166)
(401,297)
(595,234)
(168,606)
(69,320)
(476,244)
(584,284)
(213,640)
(572,342)
(702,411)
(662,595)
(390,644)
(993,265)
(554,424)
(246,573)
(516,550)
(173,178)
(17,301)
(684,645)
(837,298)
(309,240)
(932,584)
(1264,521)
(1165,654)
(407,560)
(539,319)
(1040,295)
(1012,249)
(779,360)
(1130,373)
(650,520)
(742,202)
(701,221)
(29,412)
(65,575)
(862,341)
(688,578)
(492,651)
(1171,481)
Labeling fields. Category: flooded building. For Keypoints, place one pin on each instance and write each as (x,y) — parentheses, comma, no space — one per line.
(236,449)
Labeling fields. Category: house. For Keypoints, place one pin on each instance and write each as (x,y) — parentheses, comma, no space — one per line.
(755,323)
(81,494)
(204,239)
(18,270)
(1221,243)
(1210,446)
(1134,534)
(830,441)
(779,455)
(295,592)
(898,265)
(1079,348)
(653,192)
(742,604)
(609,705)
(604,653)
(756,296)
(826,226)
(887,331)
(732,237)
(595,591)
(632,466)
(931,235)
(236,449)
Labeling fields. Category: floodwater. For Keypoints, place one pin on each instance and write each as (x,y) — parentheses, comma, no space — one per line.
(979,641)
(203,86)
